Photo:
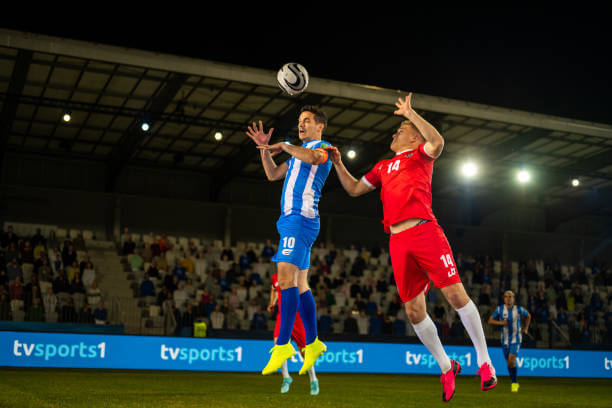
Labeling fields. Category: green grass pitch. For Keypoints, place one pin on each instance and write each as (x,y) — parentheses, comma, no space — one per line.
(102,388)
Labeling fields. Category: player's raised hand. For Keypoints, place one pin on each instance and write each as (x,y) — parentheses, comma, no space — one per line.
(334,154)
(258,135)
(403,105)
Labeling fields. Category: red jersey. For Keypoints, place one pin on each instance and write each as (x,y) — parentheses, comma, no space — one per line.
(276,286)
(405,182)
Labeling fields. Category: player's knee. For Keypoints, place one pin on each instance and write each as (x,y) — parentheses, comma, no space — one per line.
(415,314)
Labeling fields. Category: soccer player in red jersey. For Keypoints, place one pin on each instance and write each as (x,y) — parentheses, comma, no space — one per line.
(298,335)
(419,249)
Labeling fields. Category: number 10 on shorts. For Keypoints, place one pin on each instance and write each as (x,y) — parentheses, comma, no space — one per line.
(288,244)
(448,263)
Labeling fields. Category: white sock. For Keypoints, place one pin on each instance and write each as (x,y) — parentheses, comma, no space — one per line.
(284,370)
(313,376)
(428,334)
(471,321)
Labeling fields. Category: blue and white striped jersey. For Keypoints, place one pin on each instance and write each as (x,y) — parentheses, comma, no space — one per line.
(303,184)
(511,332)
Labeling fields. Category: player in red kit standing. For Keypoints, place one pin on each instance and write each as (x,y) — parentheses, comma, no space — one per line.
(418,247)
(298,335)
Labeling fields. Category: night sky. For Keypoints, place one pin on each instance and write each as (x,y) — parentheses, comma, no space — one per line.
(554,62)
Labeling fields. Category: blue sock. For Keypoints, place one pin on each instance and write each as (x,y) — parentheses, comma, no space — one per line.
(512,371)
(290,299)
(308,313)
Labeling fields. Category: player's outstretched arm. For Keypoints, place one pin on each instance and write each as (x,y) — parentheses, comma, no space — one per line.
(261,138)
(352,186)
(496,322)
(433,138)
(311,156)
(273,298)
(527,323)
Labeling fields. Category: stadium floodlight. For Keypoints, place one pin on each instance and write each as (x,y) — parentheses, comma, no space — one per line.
(575,182)
(351,154)
(523,176)
(469,169)
(145,126)
(67,116)
(218,136)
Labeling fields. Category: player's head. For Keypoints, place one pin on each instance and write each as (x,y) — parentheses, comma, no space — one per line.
(311,123)
(509,298)
(406,137)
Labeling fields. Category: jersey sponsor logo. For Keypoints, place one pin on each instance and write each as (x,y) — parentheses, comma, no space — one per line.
(288,245)
(286,251)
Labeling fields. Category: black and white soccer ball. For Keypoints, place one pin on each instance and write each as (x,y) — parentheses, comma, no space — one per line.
(292,78)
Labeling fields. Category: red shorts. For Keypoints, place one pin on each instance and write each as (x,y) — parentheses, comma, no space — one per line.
(298,334)
(418,255)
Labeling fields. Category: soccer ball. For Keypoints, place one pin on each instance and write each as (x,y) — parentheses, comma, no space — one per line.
(292,78)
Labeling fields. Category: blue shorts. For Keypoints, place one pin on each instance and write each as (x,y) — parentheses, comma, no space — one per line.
(297,234)
(511,349)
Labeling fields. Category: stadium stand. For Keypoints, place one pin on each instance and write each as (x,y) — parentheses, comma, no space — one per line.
(161,285)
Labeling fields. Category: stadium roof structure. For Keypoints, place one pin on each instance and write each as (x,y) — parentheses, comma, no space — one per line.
(109,90)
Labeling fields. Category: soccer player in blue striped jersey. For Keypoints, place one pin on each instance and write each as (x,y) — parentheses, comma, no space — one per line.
(509,317)
(298,226)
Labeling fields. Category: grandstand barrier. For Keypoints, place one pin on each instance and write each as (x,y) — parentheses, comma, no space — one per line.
(6,325)
(24,349)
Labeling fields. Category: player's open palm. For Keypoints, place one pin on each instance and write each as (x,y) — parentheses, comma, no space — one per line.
(334,154)
(259,136)
(403,105)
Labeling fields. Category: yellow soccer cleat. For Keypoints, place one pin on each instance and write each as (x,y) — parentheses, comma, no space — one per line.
(515,387)
(312,351)
(278,357)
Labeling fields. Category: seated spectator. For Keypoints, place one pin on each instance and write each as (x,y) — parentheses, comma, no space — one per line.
(39,251)
(350,324)
(180,296)
(55,258)
(125,236)
(27,253)
(9,237)
(85,315)
(135,260)
(89,275)
(129,246)
(232,319)
(60,284)
(84,263)
(399,327)
(35,312)
(217,318)
(69,255)
(210,306)
(190,288)
(255,277)
(53,242)
(359,303)
(94,295)
(201,265)
(100,314)
(179,271)
(375,325)
(72,271)
(50,301)
(268,251)
(163,295)
(224,282)
(77,286)
(227,254)
(68,314)
(363,322)
(153,271)
(259,319)
(16,289)
(79,242)
(45,273)
(325,321)
(38,238)
(146,253)
(13,269)
(29,297)
(188,264)
(146,287)
(371,307)
(188,319)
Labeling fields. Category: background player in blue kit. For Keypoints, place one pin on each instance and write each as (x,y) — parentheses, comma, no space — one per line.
(298,226)
(510,316)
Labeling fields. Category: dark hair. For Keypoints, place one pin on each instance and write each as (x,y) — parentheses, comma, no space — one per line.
(319,115)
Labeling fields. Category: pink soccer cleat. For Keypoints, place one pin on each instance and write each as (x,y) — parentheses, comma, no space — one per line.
(448,381)
(488,380)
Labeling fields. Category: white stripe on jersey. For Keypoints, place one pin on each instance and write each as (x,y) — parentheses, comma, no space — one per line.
(295,171)
(308,196)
